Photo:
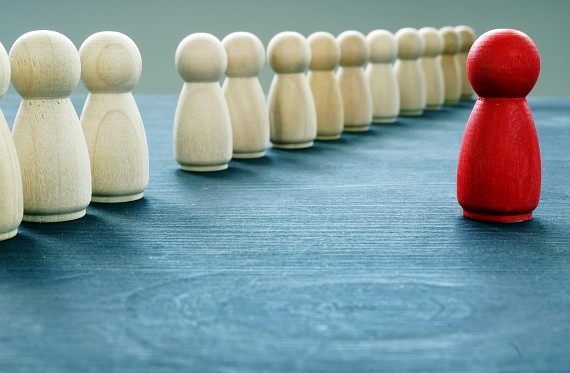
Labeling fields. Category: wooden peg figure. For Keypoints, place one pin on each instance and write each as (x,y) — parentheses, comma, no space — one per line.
(381,77)
(355,90)
(324,86)
(244,95)
(292,114)
(409,72)
(450,65)
(435,88)
(202,124)
(51,147)
(467,35)
(111,66)
(499,171)
(11,194)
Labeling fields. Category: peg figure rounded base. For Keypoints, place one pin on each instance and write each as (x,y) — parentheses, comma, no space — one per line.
(516,218)
(298,145)
(8,235)
(384,119)
(411,113)
(219,167)
(55,218)
(356,128)
(328,137)
(117,199)
(248,155)
(450,102)
(433,107)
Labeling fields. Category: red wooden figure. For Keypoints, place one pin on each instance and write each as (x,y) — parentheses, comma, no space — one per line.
(498,175)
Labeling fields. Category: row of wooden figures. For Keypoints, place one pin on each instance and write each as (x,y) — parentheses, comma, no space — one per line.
(353,80)
(53,164)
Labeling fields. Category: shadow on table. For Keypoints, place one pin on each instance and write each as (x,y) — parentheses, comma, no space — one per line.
(23,247)
(125,208)
(535,239)
(39,249)
(108,236)
(231,173)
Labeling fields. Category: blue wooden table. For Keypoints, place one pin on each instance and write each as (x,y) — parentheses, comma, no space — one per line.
(350,256)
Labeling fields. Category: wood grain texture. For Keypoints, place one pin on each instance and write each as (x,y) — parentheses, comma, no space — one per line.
(349,256)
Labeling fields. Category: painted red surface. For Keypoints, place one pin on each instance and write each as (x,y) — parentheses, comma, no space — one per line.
(499,171)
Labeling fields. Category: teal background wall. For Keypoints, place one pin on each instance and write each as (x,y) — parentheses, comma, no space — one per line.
(158,26)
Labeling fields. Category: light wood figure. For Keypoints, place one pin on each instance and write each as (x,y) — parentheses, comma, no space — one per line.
(202,124)
(450,65)
(381,77)
(324,86)
(409,72)
(51,147)
(292,114)
(354,87)
(11,194)
(435,86)
(244,95)
(111,66)
(468,36)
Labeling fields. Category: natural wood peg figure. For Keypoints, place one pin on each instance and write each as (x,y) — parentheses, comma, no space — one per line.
(499,171)
(435,88)
(244,95)
(11,194)
(381,76)
(450,65)
(409,73)
(53,154)
(111,66)
(468,36)
(324,86)
(354,87)
(202,124)
(292,114)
